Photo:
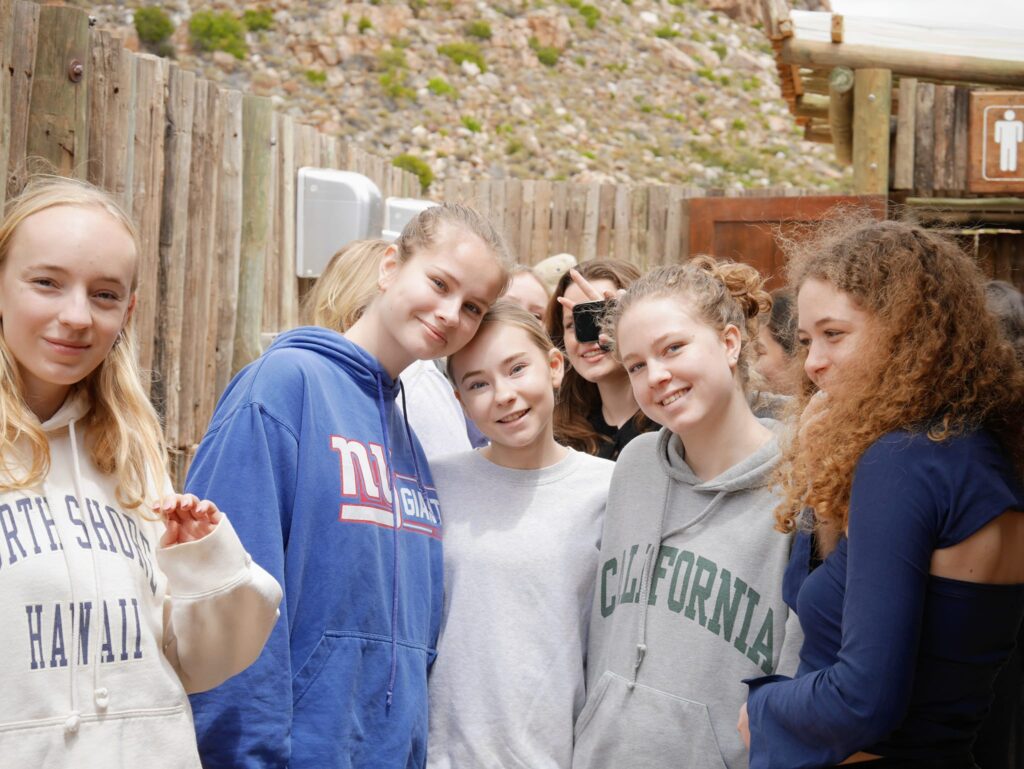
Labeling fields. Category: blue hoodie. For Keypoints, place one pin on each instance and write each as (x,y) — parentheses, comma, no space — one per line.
(303,452)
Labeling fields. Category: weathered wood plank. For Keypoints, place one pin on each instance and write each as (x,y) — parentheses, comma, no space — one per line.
(606,222)
(587,248)
(906,120)
(622,222)
(526,220)
(23,63)
(285,209)
(674,225)
(575,220)
(257,193)
(657,222)
(559,216)
(961,145)
(541,222)
(112,117)
(514,216)
(147,195)
(924,140)
(6,75)
(943,112)
(58,122)
(229,236)
(166,392)
(872,108)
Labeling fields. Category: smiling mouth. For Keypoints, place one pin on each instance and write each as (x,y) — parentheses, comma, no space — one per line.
(592,354)
(513,417)
(434,332)
(673,397)
(68,346)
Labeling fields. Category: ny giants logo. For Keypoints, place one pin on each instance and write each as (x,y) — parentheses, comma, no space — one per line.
(367,495)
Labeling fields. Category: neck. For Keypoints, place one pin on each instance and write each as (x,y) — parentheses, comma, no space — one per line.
(724,439)
(617,402)
(539,454)
(369,333)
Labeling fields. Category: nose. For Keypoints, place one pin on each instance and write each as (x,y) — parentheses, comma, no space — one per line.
(656,374)
(503,393)
(74,311)
(816,363)
(448,311)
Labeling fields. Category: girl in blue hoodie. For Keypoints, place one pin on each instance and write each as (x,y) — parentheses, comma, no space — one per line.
(334,497)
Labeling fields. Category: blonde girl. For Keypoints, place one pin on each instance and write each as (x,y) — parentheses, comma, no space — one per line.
(341,295)
(688,599)
(523,519)
(339,502)
(115,611)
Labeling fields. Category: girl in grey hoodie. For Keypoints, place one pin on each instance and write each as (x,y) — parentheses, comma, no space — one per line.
(688,598)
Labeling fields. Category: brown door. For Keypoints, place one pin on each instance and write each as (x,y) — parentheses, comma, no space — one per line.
(746,229)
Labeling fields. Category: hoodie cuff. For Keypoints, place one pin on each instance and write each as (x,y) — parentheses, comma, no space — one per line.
(208,565)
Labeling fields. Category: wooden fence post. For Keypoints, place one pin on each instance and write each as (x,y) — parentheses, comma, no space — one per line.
(23,63)
(58,123)
(872,105)
(6,50)
(112,117)
(257,131)
(229,237)
(147,195)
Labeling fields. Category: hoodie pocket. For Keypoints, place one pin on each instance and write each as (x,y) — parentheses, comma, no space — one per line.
(642,728)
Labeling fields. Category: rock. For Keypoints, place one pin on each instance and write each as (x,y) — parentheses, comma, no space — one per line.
(697,50)
(469,69)
(225,61)
(743,61)
(649,18)
(550,28)
(328,54)
(673,57)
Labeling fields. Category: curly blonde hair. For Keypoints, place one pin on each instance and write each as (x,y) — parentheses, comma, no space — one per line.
(718,291)
(934,361)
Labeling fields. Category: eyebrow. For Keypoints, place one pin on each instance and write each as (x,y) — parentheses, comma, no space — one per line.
(505,362)
(63,271)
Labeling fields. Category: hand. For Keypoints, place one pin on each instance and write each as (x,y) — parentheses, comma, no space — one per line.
(743,726)
(592,294)
(187,518)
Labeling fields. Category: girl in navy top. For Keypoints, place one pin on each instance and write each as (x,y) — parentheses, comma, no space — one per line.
(912,465)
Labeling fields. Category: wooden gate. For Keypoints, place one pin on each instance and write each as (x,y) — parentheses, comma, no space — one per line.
(746,229)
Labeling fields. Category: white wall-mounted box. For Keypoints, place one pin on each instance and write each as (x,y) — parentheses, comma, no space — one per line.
(398,212)
(332,208)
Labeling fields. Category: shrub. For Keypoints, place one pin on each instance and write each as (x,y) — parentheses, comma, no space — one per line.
(364,24)
(258,19)
(721,50)
(479,29)
(471,123)
(394,84)
(153,25)
(392,58)
(666,33)
(211,31)
(739,124)
(417,166)
(440,87)
(462,51)
(316,76)
(546,54)
(590,14)
(513,147)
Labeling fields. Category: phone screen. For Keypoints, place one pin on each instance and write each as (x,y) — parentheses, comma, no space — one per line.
(587,317)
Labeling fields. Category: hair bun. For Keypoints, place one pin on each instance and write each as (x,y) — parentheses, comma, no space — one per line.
(744,283)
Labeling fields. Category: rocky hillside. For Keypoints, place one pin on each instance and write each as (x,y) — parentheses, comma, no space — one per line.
(648,91)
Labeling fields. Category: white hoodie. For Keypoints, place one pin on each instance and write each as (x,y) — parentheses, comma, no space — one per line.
(102,632)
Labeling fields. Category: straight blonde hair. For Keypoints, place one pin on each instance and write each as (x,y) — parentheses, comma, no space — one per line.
(347,285)
(123,431)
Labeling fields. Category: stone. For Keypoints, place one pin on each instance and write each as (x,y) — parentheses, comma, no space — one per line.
(328,54)
(550,28)
(225,61)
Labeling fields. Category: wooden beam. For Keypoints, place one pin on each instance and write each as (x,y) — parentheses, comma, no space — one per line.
(837,28)
(777,24)
(6,69)
(924,139)
(811,105)
(964,69)
(840,113)
(817,133)
(872,105)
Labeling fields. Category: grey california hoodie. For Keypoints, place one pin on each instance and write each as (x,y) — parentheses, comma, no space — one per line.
(688,603)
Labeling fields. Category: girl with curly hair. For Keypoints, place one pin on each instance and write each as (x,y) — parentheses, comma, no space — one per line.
(688,599)
(910,455)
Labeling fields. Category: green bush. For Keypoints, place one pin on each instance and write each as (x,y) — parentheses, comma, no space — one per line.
(462,51)
(417,166)
(513,146)
(316,76)
(440,87)
(364,24)
(720,49)
(479,29)
(258,19)
(391,58)
(666,33)
(471,123)
(153,25)
(546,54)
(590,14)
(211,31)
(394,84)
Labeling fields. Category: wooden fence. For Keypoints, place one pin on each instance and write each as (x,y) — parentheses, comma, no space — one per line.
(208,174)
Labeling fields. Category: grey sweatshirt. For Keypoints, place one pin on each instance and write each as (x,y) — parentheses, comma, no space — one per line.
(688,603)
(521,551)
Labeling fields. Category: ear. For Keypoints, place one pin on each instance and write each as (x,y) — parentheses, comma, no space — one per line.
(556,362)
(732,340)
(388,268)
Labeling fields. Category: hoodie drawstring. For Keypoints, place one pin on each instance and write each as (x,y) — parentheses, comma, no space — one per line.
(394,542)
(648,569)
(100,695)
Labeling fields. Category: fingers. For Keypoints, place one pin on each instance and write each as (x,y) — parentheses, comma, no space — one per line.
(187,518)
(588,290)
(566,303)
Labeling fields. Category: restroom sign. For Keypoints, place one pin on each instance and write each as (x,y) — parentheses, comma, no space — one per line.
(997,141)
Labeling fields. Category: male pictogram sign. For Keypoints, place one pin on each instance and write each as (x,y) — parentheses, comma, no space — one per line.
(997,141)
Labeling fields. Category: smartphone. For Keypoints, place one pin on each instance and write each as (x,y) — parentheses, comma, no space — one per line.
(586,319)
